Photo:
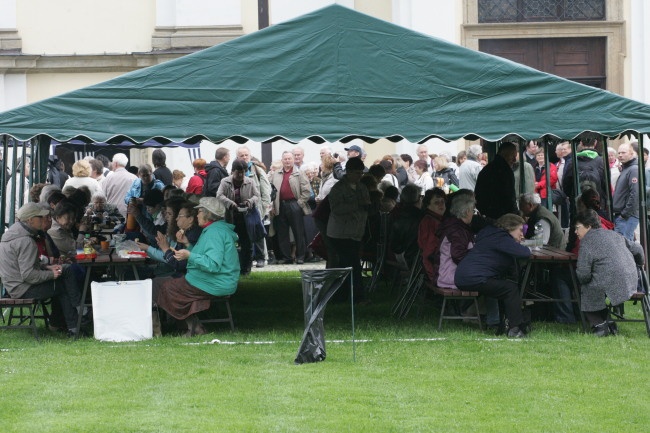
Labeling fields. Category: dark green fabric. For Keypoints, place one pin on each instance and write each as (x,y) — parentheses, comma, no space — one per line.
(333,73)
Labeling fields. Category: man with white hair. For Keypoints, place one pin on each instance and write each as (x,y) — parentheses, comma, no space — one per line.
(118,183)
(530,206)
(298,156)
(468,171)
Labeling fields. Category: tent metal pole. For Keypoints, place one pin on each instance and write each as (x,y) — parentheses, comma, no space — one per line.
(521,147)
(608,177)
(21,197)
(547,174)
(12,204)
(33,161)
(643,215)
(3,184)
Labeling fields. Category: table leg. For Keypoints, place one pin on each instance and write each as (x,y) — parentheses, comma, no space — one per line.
(576,295)
(82,304)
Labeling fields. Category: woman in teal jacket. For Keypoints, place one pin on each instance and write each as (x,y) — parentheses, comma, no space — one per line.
(212,269)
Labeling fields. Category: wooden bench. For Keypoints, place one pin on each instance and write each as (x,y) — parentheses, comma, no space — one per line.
(455,294)
(22,314)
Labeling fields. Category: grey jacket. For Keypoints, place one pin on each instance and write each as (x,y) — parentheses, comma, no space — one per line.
(248,191)
(20,267)
(606,268)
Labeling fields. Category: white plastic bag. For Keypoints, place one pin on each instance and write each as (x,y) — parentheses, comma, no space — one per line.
(122,310)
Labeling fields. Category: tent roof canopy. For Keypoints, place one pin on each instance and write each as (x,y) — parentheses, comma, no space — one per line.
(335,74)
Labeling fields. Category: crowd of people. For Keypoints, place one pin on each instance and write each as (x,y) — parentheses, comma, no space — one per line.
(461,216)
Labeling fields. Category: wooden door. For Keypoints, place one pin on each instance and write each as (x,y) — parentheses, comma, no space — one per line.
(578,59)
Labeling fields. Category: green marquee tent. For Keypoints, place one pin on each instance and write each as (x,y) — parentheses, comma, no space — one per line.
(334,73)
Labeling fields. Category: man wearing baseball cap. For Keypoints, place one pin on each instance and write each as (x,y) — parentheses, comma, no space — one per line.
(24,276)
(353,151)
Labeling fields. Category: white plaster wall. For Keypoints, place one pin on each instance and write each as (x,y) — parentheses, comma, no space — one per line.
(41,86)
(13,91)
(183,13)
(639,63)
(85,26)
(439,18)
(7,14)
(283,10)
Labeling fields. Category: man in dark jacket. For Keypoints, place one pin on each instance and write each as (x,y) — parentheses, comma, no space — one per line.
(215,171)
(495,185)
(626,195)
(591,168)
(161,172)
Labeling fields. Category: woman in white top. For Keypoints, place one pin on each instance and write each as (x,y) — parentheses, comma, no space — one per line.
(81,171)
(422,176)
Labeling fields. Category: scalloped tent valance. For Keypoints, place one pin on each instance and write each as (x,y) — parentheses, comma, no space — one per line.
(335,74)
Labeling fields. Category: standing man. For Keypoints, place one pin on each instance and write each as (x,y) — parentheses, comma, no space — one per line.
(118,183)
(495,185)
(353,151)
(215,171)
(22,273)
(290,206)
(469,170)
(626,195)
(298,156)
(529,155)
(590,169)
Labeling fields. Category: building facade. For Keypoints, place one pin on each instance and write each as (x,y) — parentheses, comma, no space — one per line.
(47,48)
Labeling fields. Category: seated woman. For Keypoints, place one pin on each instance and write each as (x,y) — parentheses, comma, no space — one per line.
(434,205)
(606,269)
(212,269)
(166,241)
(456,239)
(589,199)
(486,267)
(61,232)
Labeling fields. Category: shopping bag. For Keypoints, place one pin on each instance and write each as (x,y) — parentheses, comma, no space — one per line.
(122,310)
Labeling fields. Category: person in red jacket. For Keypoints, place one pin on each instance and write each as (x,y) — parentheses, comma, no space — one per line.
(195,185)
(540,185)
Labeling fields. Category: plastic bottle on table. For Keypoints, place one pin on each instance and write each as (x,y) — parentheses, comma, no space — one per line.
(88,247)
(539,235)
(131,223)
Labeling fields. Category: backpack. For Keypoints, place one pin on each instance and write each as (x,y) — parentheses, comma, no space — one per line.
(588,177)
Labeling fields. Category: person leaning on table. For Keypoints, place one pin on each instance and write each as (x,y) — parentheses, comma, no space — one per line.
(212,269)
(486,267)
(25,276)
(606,269)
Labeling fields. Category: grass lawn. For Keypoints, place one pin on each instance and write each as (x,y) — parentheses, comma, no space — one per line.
(408,377)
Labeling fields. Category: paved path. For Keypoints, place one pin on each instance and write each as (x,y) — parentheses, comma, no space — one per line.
(287,268)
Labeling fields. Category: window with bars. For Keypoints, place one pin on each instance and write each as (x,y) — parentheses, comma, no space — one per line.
(507,11)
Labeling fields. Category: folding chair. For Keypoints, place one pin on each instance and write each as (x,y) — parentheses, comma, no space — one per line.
(216,307)
(409,294)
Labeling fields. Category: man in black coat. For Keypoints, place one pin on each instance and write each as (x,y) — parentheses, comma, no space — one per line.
(215,171)
(495,185)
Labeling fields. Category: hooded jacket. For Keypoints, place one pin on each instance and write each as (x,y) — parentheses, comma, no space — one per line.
(214,172)
(213,265)
(493,256)
(20,267)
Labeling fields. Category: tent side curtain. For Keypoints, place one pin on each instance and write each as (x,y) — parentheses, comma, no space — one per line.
(333,73)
